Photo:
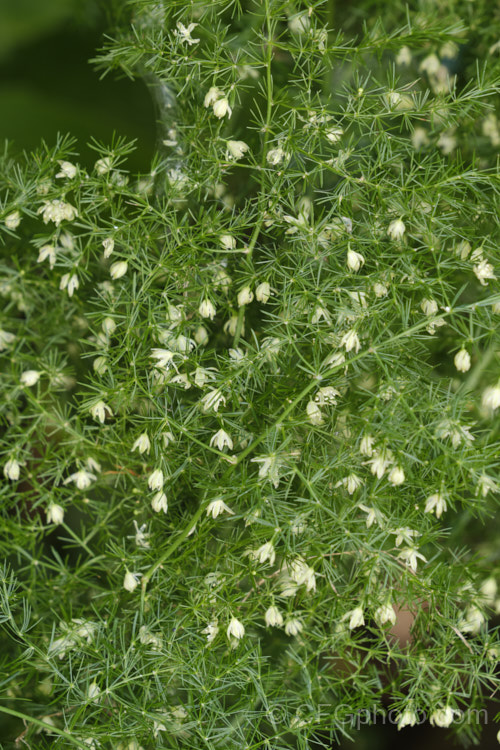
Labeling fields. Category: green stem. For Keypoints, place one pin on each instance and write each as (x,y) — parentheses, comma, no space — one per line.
(44,725)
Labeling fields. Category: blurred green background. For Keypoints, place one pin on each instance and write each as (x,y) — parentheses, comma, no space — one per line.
(47,85)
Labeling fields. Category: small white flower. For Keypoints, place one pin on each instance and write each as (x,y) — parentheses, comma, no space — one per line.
(201,336)
(12,469)
(70,282)
(484,271)
(385,614)
(326,396)
(351,483)
(155,480)
(372,514)
(366,445)
(142,444)
(354,260)
(81,478)
(236,149)
(184,33)
(489,589)
(118,269)
(221,108)
(299,23)
(211,96)
(159,502)
(47,251)
(435,503)
(403,58)
(55,514)
(30,377)
(102,166)
(462,360)
(207,309)
(275,156)
(212,400)
(430,64)
(380,462)
(301,573)
(98,411)
(472,621)
(57,211)
(245,296)
(396,229)
(334,134)
(356,618)
(486,484)
(268,469)
(141,536)
(396,476)
(293,626)
(491,397)
(218,506)
(108,245)
(221,440)
(351,341)
(379,289)
(236,629)
(314,413)
(407,719)
(442,717)
(68,170)
(164,358)
(211,630)
(100,365)
(404,534)
(273,617)
(13,220)
(263,292)
(411,555)
(264,553)
(130,581)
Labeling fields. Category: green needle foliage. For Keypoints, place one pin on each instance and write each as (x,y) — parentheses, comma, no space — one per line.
(250,400)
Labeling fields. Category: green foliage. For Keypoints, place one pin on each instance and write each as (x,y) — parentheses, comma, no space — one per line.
(249,398)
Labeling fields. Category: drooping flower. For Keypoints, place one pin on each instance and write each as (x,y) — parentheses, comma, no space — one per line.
(218,506)
(273,617)
(142,444)
(221,440)
(462,360)
(81,478)
(12,469)
(30,377)
(118,269)
(156,480)
(55,514)
(396,229)
(236,149)
(130,581)
(99,410)
(236,629)
(436,503)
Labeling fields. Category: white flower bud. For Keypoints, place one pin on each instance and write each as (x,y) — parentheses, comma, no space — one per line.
(211,96)
(407,719)
(100,365)
(491,397)
(354,260)
(228,241)
(236,149)
(142,444)
(275,156)
(429,306)
(155,480)
(221,108)
(13,220)
(245,296)
(263,292)
(55,514)
(102,166)
(118,269)
(108,245)
(130,581)
(12,469)
(30,377)
(462,360)
(47,251)
(235,629)
(366,445)
(159,502)
(314,413)
(442,717)
(396,229)
(396,476)
(201,336)
(108,326)
(379,289)
(207,309)
(273,617)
